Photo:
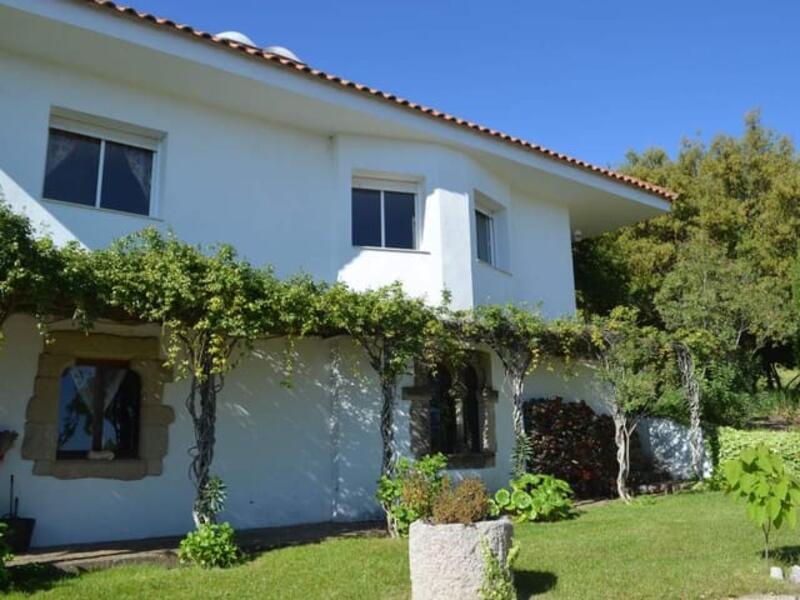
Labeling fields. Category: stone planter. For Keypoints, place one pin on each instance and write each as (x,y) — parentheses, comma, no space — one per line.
(446,560)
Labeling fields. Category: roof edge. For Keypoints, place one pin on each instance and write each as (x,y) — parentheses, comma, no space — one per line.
(303,68)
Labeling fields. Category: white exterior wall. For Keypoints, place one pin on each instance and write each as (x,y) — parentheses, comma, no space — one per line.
(300,454)
(281,195)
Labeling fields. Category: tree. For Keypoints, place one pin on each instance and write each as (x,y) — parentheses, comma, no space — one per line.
(742,194)
(628,367)
(703,307)
(208,306)
(391,328)
(515,334)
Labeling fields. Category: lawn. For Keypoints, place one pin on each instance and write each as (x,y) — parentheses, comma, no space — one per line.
(686,546)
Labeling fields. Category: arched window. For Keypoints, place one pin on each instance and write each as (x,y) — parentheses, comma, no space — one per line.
(98,411)
(455,426)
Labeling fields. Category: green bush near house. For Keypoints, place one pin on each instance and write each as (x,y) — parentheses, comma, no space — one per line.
(534,497)
(211,546)
(727,443)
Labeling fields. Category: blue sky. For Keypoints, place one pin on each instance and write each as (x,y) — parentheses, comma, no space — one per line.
(589,78)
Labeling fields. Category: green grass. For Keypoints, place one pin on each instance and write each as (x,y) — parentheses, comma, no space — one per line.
(686,546)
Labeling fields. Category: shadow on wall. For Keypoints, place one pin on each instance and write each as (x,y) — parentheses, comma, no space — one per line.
(308,451)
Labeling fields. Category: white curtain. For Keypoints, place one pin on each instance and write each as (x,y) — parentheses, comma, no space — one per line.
(83,378)
(59,147)
(140,163)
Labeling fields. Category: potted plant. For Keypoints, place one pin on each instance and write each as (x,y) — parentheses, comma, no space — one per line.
(20,530)
(456,553)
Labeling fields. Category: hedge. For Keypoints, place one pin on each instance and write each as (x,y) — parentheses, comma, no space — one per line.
(727,443)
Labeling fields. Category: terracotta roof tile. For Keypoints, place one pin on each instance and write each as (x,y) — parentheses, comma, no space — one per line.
(431,112)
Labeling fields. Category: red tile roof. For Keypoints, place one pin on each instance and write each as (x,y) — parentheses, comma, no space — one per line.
(396,100)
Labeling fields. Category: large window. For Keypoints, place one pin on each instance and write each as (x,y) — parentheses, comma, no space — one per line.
(384,216)
(88,167)
(484,234)
(98,411)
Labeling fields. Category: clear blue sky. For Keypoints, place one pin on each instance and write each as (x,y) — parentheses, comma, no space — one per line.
(587,77)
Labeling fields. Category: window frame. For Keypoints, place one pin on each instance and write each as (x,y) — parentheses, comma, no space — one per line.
(491,233)
(103,134)
(390,185)
(62,455)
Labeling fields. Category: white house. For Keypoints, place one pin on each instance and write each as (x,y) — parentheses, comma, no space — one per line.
(113,120)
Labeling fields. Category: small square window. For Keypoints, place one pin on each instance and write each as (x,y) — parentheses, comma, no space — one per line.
(484,234)
(95,171)
(383,218)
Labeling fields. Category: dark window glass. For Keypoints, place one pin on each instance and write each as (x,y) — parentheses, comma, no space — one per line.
(127,175)
(483,227)
(472,425)
(99,410)
(443,414)
(366,217)
(399,216)
(455,413)
(71,170)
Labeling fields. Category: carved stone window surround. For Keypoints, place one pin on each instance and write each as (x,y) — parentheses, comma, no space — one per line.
(40,442)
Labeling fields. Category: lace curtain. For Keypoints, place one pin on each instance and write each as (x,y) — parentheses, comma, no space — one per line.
(59,147)
(85,380)
(140,162)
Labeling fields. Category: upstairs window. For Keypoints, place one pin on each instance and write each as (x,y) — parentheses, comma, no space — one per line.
(88,167)
(484,234)
(384,215)
(98,411)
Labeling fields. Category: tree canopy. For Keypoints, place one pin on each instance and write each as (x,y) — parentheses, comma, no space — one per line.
(720,261)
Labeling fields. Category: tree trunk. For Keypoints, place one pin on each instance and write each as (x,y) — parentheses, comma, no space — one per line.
(204,418)
(692,388)
(517,386)
(389,460)
(622,439)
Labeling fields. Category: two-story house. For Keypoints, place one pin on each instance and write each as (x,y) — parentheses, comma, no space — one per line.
(113,120)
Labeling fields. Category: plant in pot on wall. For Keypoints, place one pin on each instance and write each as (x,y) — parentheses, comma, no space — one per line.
(7,439)
(455,553)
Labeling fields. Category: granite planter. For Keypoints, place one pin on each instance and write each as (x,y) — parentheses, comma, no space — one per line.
(446,560)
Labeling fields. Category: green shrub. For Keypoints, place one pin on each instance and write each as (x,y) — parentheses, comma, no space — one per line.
(210,546)
(772,495)
(727,443)
(409,495)
(498,579)
(5,556)
(467,503)
(534,497)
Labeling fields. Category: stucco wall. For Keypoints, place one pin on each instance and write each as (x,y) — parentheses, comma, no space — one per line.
(281,194)
(305,453)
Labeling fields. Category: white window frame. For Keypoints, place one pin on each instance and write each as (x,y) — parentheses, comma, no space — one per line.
(392,185)
(103,134)
(492,249)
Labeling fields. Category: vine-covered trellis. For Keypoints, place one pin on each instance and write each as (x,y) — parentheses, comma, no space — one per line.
(212,307)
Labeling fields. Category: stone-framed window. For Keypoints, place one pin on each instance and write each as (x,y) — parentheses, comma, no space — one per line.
(66,434)
(455,415)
